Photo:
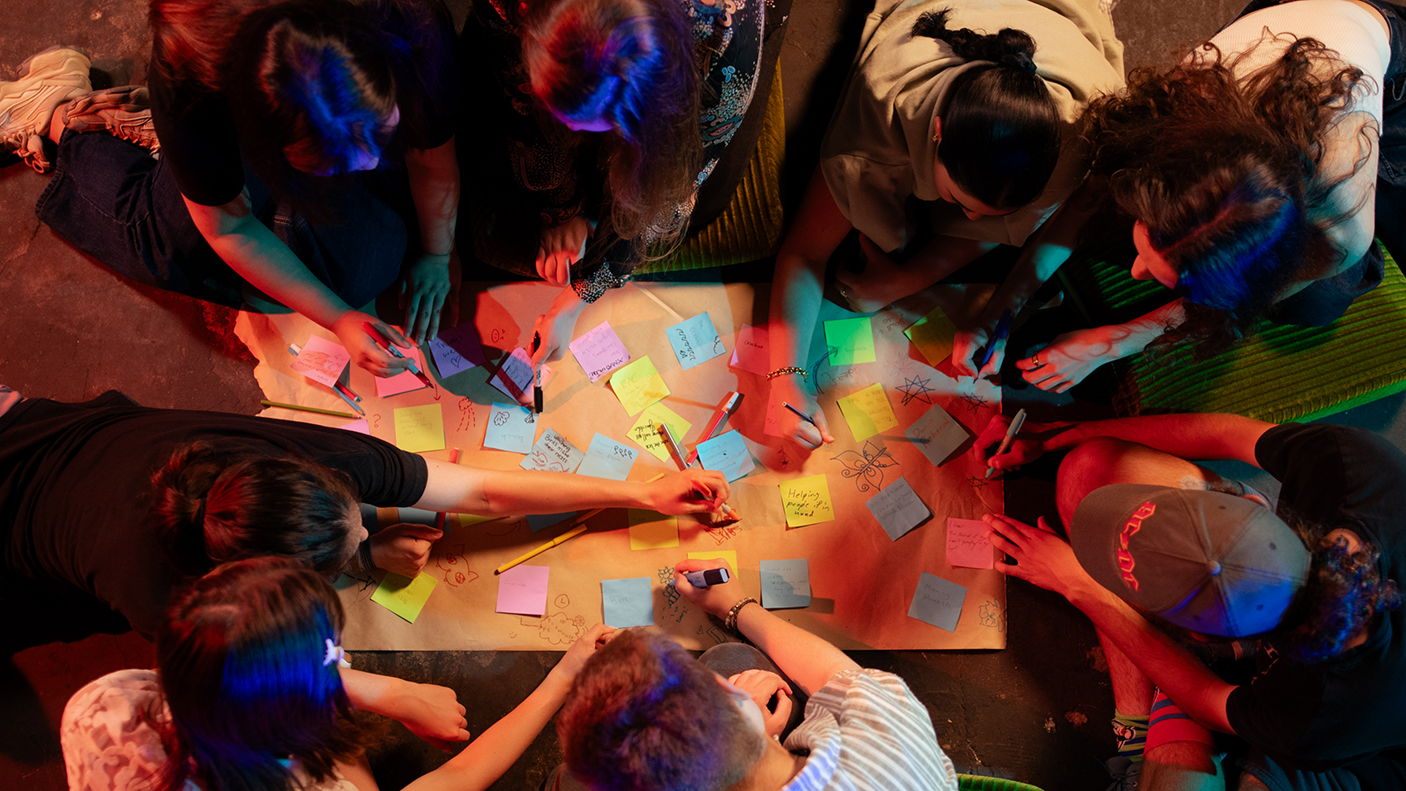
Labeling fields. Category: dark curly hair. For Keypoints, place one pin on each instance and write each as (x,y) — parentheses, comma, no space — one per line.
(1000,128)
(1224,172)
(1344,592)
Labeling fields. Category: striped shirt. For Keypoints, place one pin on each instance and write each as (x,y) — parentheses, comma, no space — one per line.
(865,730)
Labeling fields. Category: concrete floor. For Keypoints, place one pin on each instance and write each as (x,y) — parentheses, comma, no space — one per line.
(1035,712)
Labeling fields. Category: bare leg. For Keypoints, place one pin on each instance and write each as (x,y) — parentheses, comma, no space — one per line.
(1182,766)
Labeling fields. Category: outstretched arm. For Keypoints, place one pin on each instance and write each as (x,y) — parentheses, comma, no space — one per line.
(796,295)
(434,188)
(456,488)
(430,711)
(1074,355)
(485,760)
(809,660)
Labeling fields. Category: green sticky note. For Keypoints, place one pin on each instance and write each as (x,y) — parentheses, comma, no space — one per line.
(868,411)
(933,334)
(850,341)
(404,596)
(638,385)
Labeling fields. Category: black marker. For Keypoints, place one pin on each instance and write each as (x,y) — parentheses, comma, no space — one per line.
(536,377)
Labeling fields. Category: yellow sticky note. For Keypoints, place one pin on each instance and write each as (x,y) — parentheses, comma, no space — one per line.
(638,385)
(933,334)
(730,555)
(807,501)
(404,596)
(868,411)
(652,530)
(646,434)
(419,428)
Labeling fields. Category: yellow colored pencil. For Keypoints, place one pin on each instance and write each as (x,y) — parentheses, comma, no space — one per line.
(301,408)
(561,539)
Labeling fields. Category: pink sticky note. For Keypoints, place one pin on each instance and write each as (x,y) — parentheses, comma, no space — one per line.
(600,351)
(359,426)
(750,353)
(404,381)
(321,360)
(522,590)
(968,545)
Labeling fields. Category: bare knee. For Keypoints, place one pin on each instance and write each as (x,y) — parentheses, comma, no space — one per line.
(1182,766)
(1088,466)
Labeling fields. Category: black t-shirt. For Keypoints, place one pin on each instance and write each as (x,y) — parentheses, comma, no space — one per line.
(196,126)
(1315,717)
(75,488)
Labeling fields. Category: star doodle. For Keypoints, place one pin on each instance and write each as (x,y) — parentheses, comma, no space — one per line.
(974,402)
(916,389)
(978,482)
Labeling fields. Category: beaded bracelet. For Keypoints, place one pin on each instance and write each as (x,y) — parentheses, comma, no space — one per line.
(730,622)
(790,369)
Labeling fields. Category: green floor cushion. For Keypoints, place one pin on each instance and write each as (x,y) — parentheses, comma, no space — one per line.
(750,228)
(979,783)
(1284,372)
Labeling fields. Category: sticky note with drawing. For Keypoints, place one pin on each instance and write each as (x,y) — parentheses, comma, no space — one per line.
(553,453)
(599,351)
(419,428)
(868,411)
(850,341)
(933,334)
(514,376)
(645,431)
(456,350)
(321,360)
(638,385)
(511,427)
(695,340)
(404,596)
(806,501)
(968,545)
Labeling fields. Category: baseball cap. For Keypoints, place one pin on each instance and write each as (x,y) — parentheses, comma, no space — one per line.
(1206,561)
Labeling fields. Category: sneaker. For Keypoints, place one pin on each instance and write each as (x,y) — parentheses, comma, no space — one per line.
(1125,773)
(123,112)
(27,105)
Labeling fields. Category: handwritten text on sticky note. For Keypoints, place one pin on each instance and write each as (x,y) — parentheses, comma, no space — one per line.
(645,431)
(727,454)
(785,583)
(936,434)
(522,590)
(695,340)
(599,351)
(321,360)
(419,428)
(511,427)
(807,501)
(404,596)
(938,602)
(553,453)
(868,411)
(968,545)
(607,458)
(898,509)
(751,352)
(638,385)
(627,602)
(850,341)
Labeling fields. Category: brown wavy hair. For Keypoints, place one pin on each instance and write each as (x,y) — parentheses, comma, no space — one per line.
(633,63)
(1224,170)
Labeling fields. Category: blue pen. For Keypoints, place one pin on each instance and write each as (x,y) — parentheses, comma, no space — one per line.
(1003,328)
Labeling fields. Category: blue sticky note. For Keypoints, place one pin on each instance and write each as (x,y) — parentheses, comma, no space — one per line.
(539,521)
(510,427)
(695,341)
(727,454)
(938,602)
(628,602)
(606,458)
(553,453)
(785,583)
(898,509)
(456,350)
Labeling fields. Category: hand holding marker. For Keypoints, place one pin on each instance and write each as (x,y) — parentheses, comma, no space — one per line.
(1016,423)
(390,348)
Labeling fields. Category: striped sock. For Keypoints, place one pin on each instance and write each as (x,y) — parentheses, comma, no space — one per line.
(1132,735)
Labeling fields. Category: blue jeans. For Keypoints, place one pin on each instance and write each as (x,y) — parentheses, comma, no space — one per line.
(111,200)
(1324,301)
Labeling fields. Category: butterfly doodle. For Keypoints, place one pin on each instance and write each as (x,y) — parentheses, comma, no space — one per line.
(866,467)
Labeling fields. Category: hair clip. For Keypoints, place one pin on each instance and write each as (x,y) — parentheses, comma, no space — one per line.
(335,653)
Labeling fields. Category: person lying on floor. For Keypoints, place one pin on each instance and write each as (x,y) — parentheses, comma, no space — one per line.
(644,715)
(123,501)
(253,690)
(1175,564)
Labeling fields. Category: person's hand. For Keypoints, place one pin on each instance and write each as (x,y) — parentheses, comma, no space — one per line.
(870,290)
(403,549)
(1041,556)
(715,600)
(763,685)
(688,492)
(968,347)
(802,434)
(1071,357)
(1023,450)
(365,345)
(580,651)
(560,247)
(431,712)
(552,330)
(423,294)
